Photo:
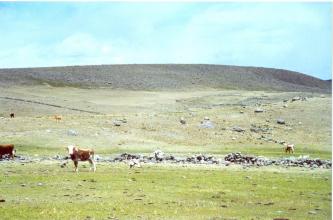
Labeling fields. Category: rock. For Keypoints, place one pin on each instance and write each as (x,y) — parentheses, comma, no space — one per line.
(241,112)
(258,110)
(280,121)
(285,106)
(206,124)
(97,157)
(159,155)
(182,120)
(238,129)
(72,132)
(322,96)
(40,184)
(206,118)
(296,98)
(312,212)
(116,123)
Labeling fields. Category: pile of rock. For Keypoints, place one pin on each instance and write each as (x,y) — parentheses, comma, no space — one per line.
(127,156)
(301,161)
(202,159)
(238,158)
(260,128)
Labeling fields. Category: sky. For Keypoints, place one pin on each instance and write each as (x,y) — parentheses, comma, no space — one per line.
(295,36)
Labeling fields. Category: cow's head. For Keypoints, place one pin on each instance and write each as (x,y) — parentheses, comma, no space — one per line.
(71,149)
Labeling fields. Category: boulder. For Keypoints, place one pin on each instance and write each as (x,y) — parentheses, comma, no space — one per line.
(280,121)
(206,124)
(238,129)
(296,98)
(72,132)
(116,123)
(258,110)
(159,155)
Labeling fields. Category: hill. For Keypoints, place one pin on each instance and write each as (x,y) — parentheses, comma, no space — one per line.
(166,77)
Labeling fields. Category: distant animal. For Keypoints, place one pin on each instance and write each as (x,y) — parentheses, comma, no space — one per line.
(7,149)
(12,115)
(58,118)
(80,154)
(289,148)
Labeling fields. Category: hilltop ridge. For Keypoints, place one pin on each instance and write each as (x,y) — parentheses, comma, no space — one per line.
(166,77)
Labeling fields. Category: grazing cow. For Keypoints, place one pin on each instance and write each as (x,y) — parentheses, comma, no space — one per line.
(78,154)
(289,148)
(57,118)
(12,115)
(7,149)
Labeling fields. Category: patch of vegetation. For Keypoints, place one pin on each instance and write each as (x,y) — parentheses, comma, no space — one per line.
(43,191)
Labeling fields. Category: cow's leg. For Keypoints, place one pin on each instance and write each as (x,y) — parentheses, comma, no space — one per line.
(92,165)
(76,166)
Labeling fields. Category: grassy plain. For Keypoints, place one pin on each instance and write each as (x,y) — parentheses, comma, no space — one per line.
(45,191)
(160,191)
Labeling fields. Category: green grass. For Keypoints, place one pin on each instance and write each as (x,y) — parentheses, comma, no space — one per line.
(162,192)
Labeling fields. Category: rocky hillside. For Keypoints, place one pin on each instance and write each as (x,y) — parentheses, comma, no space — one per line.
(166,77)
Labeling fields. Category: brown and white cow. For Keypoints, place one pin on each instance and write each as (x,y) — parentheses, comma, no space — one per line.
(289,148)
(7,149)
(80,154)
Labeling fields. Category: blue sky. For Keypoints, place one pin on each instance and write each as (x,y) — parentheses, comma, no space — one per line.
(294,36)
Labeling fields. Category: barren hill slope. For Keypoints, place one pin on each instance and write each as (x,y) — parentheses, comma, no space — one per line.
(166,77)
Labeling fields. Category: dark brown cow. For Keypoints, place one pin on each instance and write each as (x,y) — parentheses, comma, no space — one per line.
(78,154)
(12,115)
(7,149)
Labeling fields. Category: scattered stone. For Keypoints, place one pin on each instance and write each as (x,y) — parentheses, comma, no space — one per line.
(182,120)
(72,132)
(116,123)
(40,184)
(258,110)
(159,155)
(206,124)
(280,121)
(206,118)
(312,212)
(296,98)
(285,106)
(238,129)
